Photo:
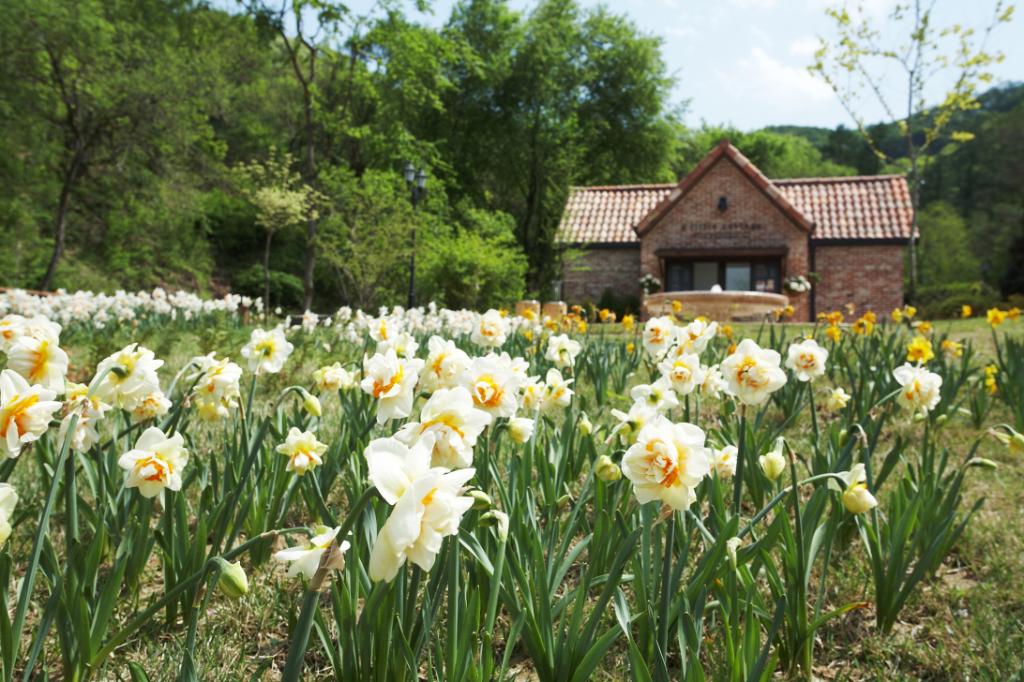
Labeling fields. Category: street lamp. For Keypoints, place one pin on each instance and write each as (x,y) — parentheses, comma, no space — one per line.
(416,181)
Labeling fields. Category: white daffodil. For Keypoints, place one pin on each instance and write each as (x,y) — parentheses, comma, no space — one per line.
(494,385)
(491,330)
(694,337)
(428,512)
(562,351)
(155,463)
(836,399)
(216,380)
(659,396)
(403,343)
(305,559)
(303,450)
(557,394)
(11,328)
(658,336)
(25,412)
(267,351)
(40,360)
(806,359)
(333,378)
(392,382)
(90,411)
(714,383)
(521,429)
(773,462)
(453,422)
(393,466)
(752,373)
(725,461)
(152,406)
(533,394)
(445,363)
(667,462)
(920,390)
(683,372)
(856,497)
(631,423)
(8,500)
(127,377)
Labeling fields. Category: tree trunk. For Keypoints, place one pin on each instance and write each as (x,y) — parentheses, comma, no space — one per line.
(60,225)
(266,274)
(310,265)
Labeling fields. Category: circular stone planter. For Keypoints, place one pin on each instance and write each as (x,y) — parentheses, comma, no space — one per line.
(723,306)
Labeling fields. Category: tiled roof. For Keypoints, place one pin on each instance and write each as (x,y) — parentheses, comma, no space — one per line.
(865,207)
(608,214)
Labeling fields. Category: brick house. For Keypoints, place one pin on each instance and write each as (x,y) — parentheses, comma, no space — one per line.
(725,223)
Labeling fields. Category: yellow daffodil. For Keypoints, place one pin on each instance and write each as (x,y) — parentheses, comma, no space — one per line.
(919,350)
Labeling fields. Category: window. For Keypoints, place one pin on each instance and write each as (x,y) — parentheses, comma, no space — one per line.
(705,275)
(737,276)
(761,274)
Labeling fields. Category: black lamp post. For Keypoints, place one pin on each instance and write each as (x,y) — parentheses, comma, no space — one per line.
(416,181)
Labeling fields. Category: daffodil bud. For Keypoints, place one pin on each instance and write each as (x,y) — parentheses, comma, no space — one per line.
(520,428)
(941,419)
(232,581)
(481,500)
(496,519)
(773,463)
(607,470)
(586,428)
(982,462)
(844,437)
(311,403)
(857,499)
(731,545)
(563,502)
(1017,443)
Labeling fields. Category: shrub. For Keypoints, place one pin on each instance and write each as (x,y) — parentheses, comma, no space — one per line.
(285,288)
(620,304)
(945,300)
(477,266)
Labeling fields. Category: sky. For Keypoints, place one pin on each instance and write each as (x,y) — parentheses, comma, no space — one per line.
(744,62)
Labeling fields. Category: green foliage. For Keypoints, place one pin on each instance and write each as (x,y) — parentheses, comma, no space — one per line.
(777,154)
(285,288)
(945,247)
(618,303)
(476,266)
(946,299)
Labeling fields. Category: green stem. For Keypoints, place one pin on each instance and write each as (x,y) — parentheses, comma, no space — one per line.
(29,581)
(300,639)
(741,456)
(146,616)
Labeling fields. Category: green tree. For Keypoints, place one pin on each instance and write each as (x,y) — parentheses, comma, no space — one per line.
(99,93)
(855,62)
(281,199)
(946,254)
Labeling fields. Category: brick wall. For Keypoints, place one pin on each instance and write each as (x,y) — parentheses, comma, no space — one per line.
(870,277)
(746,204)
(585,277)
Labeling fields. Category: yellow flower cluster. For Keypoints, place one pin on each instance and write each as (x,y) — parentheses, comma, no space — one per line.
(907,312)
(990,379)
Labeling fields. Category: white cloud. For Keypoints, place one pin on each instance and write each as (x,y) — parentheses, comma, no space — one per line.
(770,78)
(804,47)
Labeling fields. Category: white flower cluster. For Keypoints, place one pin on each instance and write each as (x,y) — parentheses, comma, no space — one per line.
(102,310)
(798,284)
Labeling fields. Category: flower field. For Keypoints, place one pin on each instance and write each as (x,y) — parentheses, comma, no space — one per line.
(194,491)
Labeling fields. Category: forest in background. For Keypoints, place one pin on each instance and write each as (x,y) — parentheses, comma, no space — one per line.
(175,143)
